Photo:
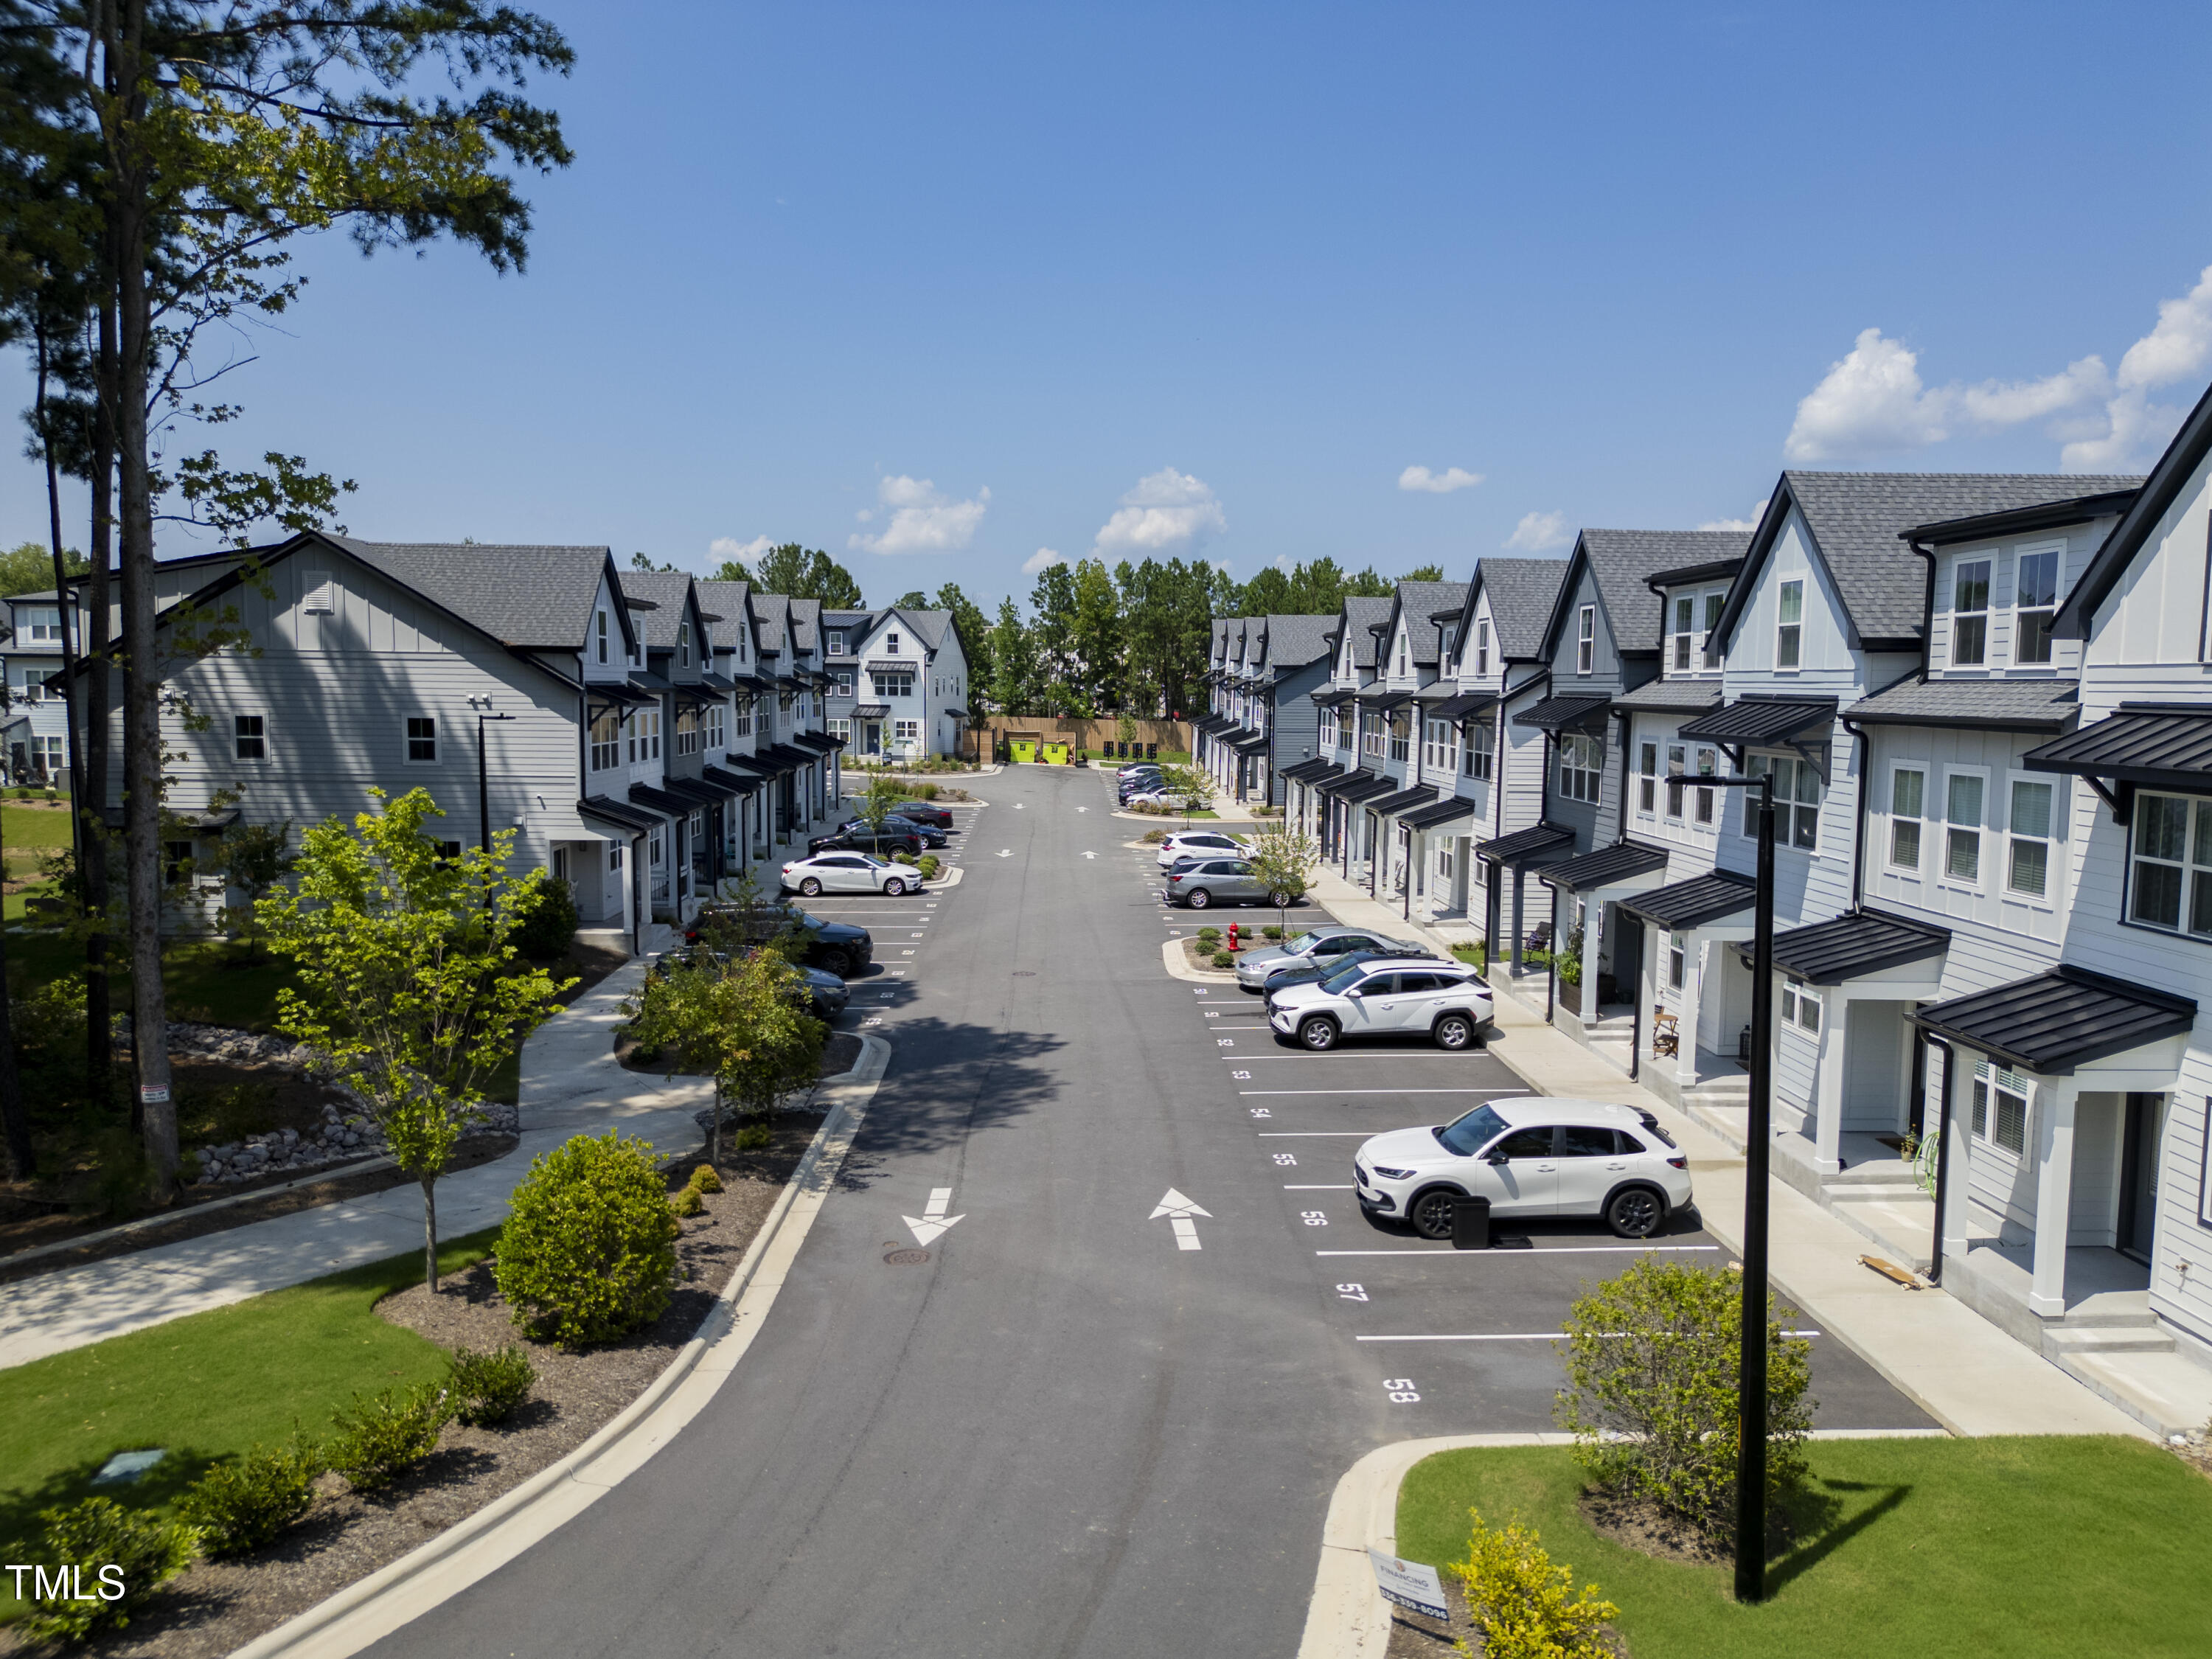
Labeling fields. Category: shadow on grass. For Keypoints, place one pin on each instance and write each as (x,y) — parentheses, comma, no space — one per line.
(1817,1518)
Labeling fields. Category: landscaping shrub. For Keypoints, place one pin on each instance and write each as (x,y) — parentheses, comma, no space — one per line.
(588,1252)
(1651,1393)
(240,1505)
(754,1138)
(548,931)
(1208,935)
(687,1204)
(380,1438)
(706,1180)
(1524,1606)
(1223,959)
(924,792)
(1153,838)
(101,1541)
(1270,931)
(488,1387)
(929,866)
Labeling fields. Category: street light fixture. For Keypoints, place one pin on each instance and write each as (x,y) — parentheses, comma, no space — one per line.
(483,780)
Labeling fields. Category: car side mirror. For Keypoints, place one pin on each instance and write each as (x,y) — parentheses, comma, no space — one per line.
(1353,991)
(1497,1158)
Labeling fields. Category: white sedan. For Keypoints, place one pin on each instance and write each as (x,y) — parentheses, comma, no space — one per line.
(849,872)
(1198,843)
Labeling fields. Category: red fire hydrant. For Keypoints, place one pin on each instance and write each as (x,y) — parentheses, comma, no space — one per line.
(1232,936)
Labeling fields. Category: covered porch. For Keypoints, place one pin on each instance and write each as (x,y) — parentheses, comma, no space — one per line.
(1699,996)
(1606,987)
(1510,857)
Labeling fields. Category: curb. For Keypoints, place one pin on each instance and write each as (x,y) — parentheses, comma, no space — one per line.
(1171,957)
(395,1594)
(950,879)
(1347,1617)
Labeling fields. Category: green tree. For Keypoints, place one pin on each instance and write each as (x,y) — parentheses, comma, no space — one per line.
(644,562)
(913,599)
(1052,633)
(1100,650)
(775,1045)
(876,805)
(1286,861)
(1193,784)
(1424,573)
(251,859)
(975,634)
(1014,679)
(831,583)
(28,568)
(682,1014)
(799,573)
(408,975)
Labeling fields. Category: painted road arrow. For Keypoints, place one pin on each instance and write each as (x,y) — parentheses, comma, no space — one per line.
(1091,855)
(1006,852)
(1181,1209)
(933,1222)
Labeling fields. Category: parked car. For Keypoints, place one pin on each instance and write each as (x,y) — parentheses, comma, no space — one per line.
(1129,787)
(895,836)
(924,811)
(836,872)
(1173,800)
(1316,947)
(825,995)
(836,947)
(1197,843)
(1534,1156)
(1221,881)
(1306,973)
(931,835)
(1385,997)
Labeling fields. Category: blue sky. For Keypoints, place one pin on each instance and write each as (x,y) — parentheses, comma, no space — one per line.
(1211,277)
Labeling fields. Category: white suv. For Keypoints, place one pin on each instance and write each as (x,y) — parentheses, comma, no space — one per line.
(1199,843)
(1385,996)
(1528,1157)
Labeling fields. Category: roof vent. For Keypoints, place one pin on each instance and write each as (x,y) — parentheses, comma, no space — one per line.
(321,599)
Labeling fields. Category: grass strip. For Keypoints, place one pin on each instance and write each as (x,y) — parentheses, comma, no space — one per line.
(2014,1548)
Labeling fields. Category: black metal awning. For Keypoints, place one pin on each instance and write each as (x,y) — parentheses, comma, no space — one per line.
(1608,867)
(1358,786)
(784,758)
(1211,724)
(1383,700)
(1450,809)
(1538,841)
(2153,748)
(1862,942)
(1309,771)
(872,711)
(1330,698)
(1465,704)
(1694,903)
(621,814)
(728,782)
(759,769)
(1757,721)
(822,742)
(956,714)
(697,790)
(1573,709)
(1248,743)
(1402,800)
(719,684)
(661,801)
(2055,1021)
(651,683)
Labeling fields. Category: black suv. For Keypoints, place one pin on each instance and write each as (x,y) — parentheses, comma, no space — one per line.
(923,811)
(836,947)
(896,836)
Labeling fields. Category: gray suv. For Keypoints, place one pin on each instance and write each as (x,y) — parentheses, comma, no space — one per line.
(1313,948)
(1220,881)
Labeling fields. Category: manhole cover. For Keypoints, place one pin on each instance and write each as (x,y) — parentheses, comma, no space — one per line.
(1024,972)
(907,1258)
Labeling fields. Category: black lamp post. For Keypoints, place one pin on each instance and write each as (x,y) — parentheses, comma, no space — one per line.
(1758,1141)
(484,783)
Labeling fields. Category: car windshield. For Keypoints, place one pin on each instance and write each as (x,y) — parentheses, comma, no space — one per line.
(1303,942)
(1341,979)
(1466,1136)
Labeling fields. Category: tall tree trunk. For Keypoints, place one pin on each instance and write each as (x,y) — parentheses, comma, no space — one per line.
(715,1129)
(430,1232)
(142,692)
(99,1003)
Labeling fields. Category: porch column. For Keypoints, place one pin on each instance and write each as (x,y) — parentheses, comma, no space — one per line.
(1828,1101)
(1592,949)
(1685,1017)
(1959,1130)
(1519,881)
(2054,1180)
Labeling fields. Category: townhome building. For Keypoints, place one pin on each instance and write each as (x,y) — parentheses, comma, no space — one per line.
(1230,739)
(1413,662)
(1347,710)
(34,734)
(1260,728)
(898,686)
(790,742)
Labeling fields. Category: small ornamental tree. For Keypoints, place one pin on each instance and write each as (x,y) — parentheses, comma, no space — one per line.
(1194,783)
(876,805)
(1286,861)
(772,1043)
(680,1014)
(253,858)
(409,979)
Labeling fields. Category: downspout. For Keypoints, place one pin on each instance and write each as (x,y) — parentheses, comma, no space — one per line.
(1552,979)
(1866,786)
(1621,807)
(1942,1156)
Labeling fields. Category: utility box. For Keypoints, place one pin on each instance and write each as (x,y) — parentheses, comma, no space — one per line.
(1471,1224)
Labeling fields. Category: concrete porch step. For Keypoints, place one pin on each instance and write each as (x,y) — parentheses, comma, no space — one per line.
(1898,1192)
(2061,1340)
(1874,1172)
(2163,1389)
(2111,1311)
(1899,1235)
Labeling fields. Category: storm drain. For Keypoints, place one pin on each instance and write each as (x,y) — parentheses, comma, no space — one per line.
(907,1258)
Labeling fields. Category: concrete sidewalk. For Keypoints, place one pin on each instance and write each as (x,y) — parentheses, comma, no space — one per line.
(1955,1365)
(570,1086)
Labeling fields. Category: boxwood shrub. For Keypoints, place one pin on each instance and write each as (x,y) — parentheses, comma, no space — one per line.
(488,1387)
(242,1504)
(588,1252)
(97,1535)
(381,1438)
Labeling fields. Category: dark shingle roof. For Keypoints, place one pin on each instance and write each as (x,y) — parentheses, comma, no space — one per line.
(1855,518)
(1522,594)
(726,600)
(805,624)
(1622,560)
(520,595)
(2006,705)
(771,613)
(929,626)
(1360,614)
(1294,642)
(1420,602)
(664,590)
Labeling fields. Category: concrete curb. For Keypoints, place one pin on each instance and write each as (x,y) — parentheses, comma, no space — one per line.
(366,1612)
(952,878)
(1347,1615)
(1171,957)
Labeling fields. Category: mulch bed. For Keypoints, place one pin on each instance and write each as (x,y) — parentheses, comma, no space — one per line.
(216,1606)
(1416,1636)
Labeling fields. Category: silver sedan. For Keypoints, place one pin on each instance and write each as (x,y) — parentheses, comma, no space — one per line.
(1316,945)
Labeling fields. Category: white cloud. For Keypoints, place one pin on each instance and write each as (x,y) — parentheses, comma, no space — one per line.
(2178,347)
(1166,510)
(1539,533)
(1038,559)
(1743,525)
(1873,403)
(922,520)
(729,547)
(1438,484)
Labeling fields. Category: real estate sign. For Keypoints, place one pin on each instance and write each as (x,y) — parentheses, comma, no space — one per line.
(1409,1584)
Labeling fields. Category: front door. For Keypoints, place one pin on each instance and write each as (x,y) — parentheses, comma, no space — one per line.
(2139,1145)
(872,737)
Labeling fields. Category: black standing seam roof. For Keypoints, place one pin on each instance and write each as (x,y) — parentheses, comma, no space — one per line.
(1463,705)
(1381,699)
(610,810)
(1693,902)
(1358,786)
(1404,799)
(759,769)
(1862,942)
(2142,746)
(1451,807)
(1210,724)
(1309,771)
(872,711)
(697,790)
(1761,720)
(1622,861)
(660,801)
(1332,697)
(1248,743)
(822,742)
(1569,708)
(2053,1021)
(730,782)
(1537,841)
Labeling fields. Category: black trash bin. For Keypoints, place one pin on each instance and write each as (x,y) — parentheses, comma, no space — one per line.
(1151,752)
(1471,1224)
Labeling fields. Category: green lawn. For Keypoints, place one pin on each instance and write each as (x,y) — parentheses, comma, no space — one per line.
(203,1386)
(1999,1548)
(209,980)
(33,826)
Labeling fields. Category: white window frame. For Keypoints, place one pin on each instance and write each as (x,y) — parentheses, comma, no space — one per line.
(1580,746)
(1678,769)
(1402,735)
(1441,752)
(718,734)
(1789,811)
(1482,647)
(837,641)
(42,624)
(1479,758)
(1586,640)
(1647,777)
(1945,875)
(1986,562)
(2056,551)
(1715,602)
(1798,1006)
(1444,857)
(606,752)
(1989,1085)
(2192,868)
(839,727)
(1708,765)
(601,624)
(2047,899)
(1788,632)
(1683,609)
(684,642)
(410,738)
(1917,819)
(1676,968)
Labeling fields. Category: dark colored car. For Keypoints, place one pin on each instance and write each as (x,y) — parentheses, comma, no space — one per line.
(1138,786)
(825,995)
(1308,975)
(838,947)
(924,811)
(932,835)
(896,836)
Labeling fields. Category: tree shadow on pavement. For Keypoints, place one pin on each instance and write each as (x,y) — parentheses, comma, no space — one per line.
(947,1080)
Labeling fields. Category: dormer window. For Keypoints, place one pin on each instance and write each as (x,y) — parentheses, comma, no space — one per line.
(1685,617)
(2035,601)
(837,641)
(684,644)
(1714,601)
(890,644)
(1970,613)
(1586,641)
(1401,656)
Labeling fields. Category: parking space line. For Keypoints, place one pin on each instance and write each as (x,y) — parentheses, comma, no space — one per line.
(1509,1336)
(1315,1135)
(1555,1249)
(1376,1091)
(1329,1060)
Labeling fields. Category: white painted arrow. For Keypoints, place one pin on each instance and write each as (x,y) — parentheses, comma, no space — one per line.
(1180,1210)
(1091,855)
(933,1222)
(1006,852)
(1019,805)
(1083,809)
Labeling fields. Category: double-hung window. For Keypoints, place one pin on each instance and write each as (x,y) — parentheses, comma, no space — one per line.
(1482,646)
(1647,777)
(1401,736)
(1908,790)
(718,731)
(1481,747)
(1706,654)
(1789,623)
(421,738)
(684,644)
(1586,641)
(1370,735)
(1683,638)
(1582,763)
(1798,787)
(2027,839)
(2035,601)
(687,734)
(1325,730)
(892,683)
(2170,874)
(599,633)
(1702,795)
(1800,1006)
(249,736)
(1962,827)
(1678,961)
(606,743)
(2001,1108)
(1676,755)
(1441,753)
(837,641)
(1970,613)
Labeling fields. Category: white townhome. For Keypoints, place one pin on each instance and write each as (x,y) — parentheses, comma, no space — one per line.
(1286,658)
(1414,659)
(34,721)
(898,683)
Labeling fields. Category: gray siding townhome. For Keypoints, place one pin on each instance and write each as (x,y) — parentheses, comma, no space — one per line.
(1329,805)
(1271,736)
(34,734)
(898,686)
(1413,657)
(1232,736)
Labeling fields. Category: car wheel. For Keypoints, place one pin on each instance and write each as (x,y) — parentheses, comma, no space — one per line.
(895,887)
(1279,899)
(1634,1212)
(1198,898)
(836,961)
(1318,1033)
(812,887)
(1432,1212)
(1454,1032)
